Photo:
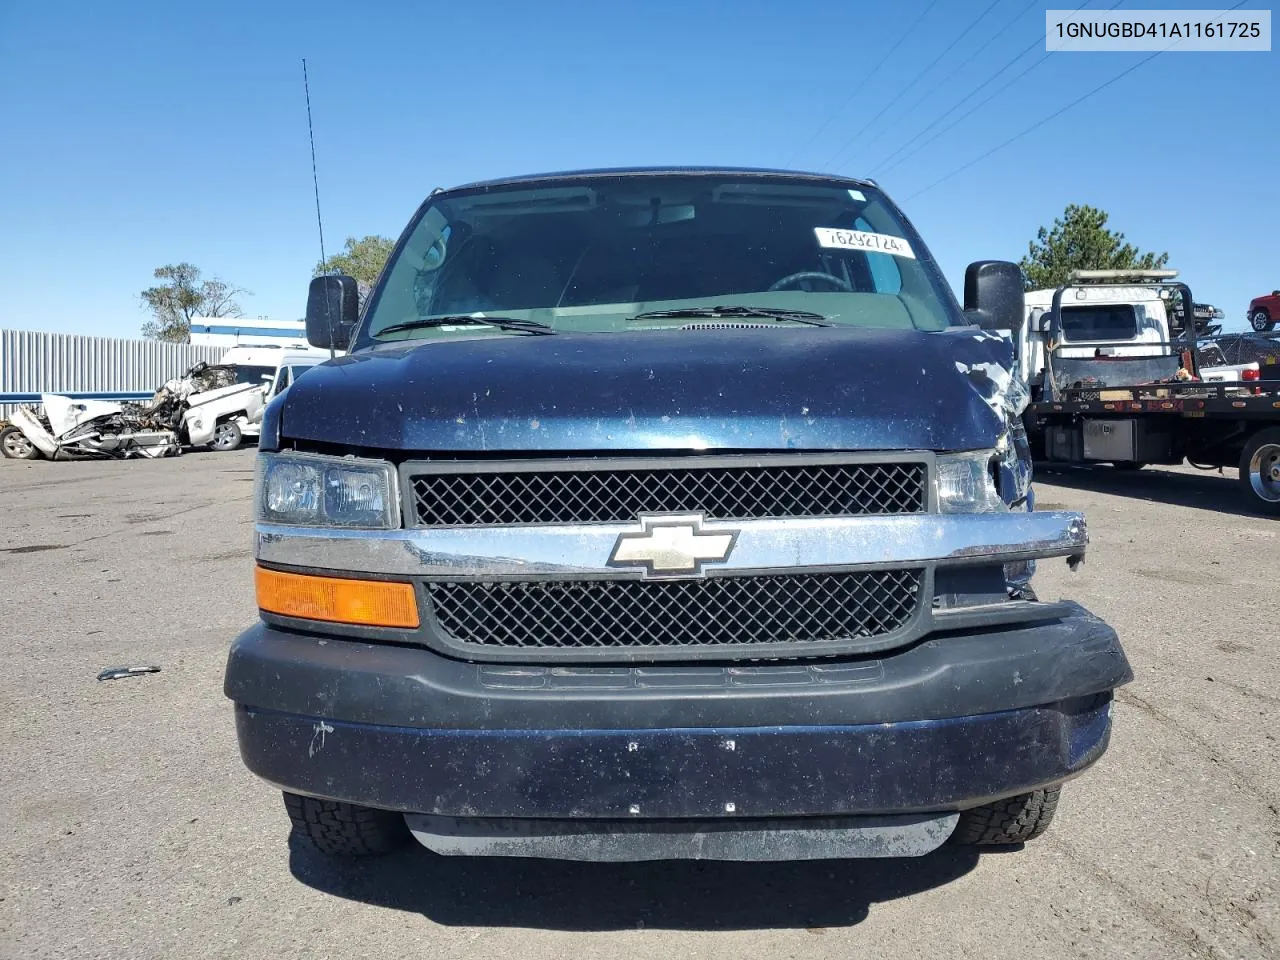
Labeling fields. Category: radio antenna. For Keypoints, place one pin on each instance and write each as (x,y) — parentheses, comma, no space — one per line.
(314,177)
(315,180)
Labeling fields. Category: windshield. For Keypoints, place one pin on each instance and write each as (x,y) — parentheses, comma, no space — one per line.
(252,374)
(589,253)
(1104,322)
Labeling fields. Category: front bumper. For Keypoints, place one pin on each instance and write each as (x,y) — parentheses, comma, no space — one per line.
(953,722)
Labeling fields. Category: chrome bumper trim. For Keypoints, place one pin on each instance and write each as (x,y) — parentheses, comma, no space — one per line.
(777,546)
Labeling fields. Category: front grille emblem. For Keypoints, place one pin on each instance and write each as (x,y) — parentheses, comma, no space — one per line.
(672,545)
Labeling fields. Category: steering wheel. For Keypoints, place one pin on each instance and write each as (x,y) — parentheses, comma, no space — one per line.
(812,275)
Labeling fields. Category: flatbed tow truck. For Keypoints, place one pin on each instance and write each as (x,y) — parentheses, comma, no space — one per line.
(1095,401)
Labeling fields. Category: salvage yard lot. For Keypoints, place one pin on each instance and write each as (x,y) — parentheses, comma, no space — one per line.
(135,831)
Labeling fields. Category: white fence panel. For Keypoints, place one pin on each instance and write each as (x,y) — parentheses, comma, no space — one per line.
(36,362)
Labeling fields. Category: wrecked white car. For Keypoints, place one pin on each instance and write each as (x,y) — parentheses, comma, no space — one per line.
(205,407)
(220,405)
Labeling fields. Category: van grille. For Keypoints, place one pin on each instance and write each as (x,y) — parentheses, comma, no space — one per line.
(799,610)
(620,494)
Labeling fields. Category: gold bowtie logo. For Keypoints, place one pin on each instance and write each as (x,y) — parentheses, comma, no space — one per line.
(671,545)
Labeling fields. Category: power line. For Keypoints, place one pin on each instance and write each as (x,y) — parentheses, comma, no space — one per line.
(1036,126)
(865,77)
(919,76)
(970,95)
(879,168)
(960,66)
(976,107)
(1059,112)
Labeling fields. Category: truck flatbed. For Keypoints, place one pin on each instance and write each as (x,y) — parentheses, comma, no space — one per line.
(1196,400)
(1140,400)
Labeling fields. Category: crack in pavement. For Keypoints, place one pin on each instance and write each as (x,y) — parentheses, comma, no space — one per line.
(1241,778)
(1153,913)
(167,516)
(122,533)
(1247,691)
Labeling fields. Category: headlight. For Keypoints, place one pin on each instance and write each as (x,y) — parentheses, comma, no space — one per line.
(967,484)
(312,490)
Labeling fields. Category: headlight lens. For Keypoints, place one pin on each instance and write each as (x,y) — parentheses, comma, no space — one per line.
(966,483)
(307,489)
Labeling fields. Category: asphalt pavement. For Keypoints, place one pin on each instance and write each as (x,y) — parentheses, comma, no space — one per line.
(135,831)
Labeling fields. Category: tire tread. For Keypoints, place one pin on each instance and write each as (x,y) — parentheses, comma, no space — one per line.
(1009,821)
(338,829)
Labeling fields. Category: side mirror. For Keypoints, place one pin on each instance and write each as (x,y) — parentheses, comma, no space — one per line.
(993,295)
(333,307)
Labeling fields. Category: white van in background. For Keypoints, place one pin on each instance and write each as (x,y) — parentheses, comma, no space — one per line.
(290,365)
(259,362)
(274,368)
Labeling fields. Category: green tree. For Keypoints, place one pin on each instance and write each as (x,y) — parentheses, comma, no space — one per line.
(1080,240)
(361,258)
(184,295)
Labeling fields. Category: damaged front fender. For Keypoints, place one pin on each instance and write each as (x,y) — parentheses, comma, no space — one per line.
(987,361)
(26,420)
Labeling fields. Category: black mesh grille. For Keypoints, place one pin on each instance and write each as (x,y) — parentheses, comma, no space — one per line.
(620,495)
(801,609)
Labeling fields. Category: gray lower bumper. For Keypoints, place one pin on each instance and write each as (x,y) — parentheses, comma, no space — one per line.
(630,841)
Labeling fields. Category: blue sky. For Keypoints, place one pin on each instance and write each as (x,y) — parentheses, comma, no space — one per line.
(134,134)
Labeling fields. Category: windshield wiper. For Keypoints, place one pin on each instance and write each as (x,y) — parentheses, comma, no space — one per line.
(502,323)
(762,313)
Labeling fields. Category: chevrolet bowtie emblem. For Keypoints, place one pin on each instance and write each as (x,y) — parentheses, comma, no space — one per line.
(667,545)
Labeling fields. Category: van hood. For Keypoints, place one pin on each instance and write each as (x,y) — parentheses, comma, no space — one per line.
(775,388)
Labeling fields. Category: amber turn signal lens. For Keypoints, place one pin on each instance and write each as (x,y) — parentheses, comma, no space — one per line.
(370,603)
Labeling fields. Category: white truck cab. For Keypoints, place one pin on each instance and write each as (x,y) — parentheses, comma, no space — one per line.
(1101,318)
(1115,320)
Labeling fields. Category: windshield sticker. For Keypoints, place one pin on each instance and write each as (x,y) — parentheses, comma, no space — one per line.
(858,195)
(866,242)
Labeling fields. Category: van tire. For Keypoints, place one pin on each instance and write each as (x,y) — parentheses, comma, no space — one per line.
(1010,821)
(336,829)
